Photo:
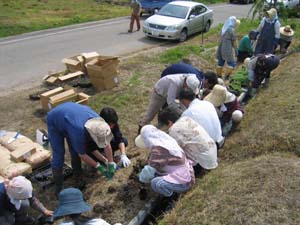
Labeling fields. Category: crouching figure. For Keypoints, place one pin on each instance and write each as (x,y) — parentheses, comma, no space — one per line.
(168,169)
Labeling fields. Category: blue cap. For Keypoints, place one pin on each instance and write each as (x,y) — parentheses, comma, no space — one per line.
(71,202)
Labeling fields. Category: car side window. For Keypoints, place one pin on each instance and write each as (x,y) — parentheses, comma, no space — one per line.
(201,9)
(198,10)
(194,12)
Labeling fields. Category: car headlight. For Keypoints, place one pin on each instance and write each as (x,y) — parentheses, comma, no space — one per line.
(146,24)
(173,27)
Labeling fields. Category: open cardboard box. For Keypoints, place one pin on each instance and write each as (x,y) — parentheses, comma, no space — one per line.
(74,63)
(52,98)
(103,72)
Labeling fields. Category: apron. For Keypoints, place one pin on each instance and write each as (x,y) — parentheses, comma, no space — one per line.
(265,42)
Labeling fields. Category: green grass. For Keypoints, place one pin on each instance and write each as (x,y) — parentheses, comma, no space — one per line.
(20,16)
(174,55)
(255,191)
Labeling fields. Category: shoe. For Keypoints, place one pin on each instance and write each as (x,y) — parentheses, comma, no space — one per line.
(129,31)
(138,29)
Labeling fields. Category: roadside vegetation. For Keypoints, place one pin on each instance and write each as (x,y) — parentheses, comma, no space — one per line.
(23,16)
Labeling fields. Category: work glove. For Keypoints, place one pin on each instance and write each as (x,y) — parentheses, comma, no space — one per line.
(124,160)
(147,174)
(101,169)
(112,166)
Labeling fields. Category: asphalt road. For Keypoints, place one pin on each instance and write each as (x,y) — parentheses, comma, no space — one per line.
(25,59)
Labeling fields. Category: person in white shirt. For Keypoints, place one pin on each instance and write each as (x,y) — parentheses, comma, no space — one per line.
(204,113)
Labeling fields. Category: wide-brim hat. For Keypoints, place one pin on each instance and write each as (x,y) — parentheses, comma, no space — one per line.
(287,31)
(271,13)
(99,131)
(230,97)
(139,141)
(217,96)
(70,202)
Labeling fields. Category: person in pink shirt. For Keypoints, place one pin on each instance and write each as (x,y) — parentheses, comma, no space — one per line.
(168,169)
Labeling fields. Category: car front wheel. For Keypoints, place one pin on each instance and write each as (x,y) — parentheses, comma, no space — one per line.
(183,35)
(207,27)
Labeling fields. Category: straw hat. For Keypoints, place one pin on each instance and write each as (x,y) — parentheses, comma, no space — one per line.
(237,22)
(230,97)
(99,131)
(217,96)
(272,13)
(287,31)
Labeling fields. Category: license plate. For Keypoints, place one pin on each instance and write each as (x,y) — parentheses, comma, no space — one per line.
(155,33)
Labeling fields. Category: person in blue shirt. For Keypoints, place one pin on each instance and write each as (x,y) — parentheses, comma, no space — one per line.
(16,198)
(182,67)
(79,125)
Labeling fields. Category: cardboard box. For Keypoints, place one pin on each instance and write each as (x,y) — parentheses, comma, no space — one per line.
(105,84)
(74,63)
(82,98)
(46,95)
(103,72)
(70,76)
(21,154)
(66,96)
(87,57)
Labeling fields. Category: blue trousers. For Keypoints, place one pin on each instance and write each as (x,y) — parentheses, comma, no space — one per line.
(165,188)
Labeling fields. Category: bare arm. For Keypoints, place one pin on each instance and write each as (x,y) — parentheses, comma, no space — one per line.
(122,148)
(99,156)
(88,160)
(37,205)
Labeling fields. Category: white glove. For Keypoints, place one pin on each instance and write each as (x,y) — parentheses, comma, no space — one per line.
(115,164)
(124,160)
(147,174)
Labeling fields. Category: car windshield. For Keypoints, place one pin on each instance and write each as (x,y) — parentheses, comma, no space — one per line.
(174,11)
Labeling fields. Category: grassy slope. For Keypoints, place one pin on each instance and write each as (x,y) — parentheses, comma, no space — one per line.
(255,181)
(22,16)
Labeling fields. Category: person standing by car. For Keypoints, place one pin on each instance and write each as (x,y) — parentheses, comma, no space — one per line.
(226,46)
(136,8)
(268,33)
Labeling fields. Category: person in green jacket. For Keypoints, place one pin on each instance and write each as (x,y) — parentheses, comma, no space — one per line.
(245,49)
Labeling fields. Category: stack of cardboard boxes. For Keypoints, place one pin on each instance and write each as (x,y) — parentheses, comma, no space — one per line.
(101,70)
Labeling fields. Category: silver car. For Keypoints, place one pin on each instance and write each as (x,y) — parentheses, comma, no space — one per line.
(179,19)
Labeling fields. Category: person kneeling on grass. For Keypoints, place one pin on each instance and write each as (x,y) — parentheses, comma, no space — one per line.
(192,138)
(71,205)
(16,198)
(227,106)
(118,142)
(168,169)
